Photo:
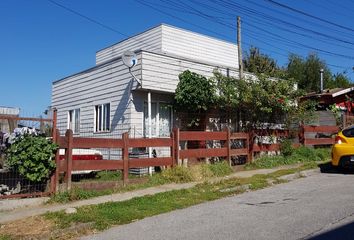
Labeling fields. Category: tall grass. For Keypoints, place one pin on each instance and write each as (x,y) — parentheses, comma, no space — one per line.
(299,155)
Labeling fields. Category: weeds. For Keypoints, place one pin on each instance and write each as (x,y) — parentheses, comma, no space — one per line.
(299,155)
(115,213)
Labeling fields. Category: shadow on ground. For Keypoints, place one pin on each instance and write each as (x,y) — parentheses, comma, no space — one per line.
(328,168)
(342,232)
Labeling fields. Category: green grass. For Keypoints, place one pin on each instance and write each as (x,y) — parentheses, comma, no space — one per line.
(77,194)
(299,155)
(171,175)
(115,213)
(5,237)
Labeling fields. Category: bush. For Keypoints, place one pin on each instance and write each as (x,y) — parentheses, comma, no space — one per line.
(286,147)
(32,156)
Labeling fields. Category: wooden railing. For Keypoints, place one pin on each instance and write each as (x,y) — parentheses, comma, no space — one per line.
(69,142)
(226,149)
(323,135)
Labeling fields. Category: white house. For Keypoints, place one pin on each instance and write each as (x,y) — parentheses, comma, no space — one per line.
(105,100)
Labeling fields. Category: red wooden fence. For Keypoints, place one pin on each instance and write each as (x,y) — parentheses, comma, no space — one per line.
(323,135)
(247,149)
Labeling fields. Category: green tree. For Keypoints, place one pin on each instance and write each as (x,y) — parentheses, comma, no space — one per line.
(341,80)
(195,94)
(259,100)
(306,71)
(258,63)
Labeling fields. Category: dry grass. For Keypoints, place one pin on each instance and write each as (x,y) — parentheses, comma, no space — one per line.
(28,228)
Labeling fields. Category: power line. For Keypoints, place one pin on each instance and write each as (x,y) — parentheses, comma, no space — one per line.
(88,18)
(309,15)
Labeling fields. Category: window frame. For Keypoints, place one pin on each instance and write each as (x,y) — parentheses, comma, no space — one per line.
(71,120)
(104,118)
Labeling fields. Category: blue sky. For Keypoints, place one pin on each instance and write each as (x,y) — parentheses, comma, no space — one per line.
(41,42)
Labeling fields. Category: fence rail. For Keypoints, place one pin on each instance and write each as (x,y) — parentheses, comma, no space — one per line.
(320,135)
(228,146)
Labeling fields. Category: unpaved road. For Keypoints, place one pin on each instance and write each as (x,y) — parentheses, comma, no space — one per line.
(316,207)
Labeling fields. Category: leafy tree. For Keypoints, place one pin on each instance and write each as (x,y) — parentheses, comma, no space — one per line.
(259,100)
(194,94)
(341,80)
(258,63)
(307,73)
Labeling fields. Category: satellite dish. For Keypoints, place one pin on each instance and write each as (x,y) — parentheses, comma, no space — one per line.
(129,59)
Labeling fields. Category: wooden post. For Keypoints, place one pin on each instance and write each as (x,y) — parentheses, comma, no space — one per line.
(54,127)
(228,144)
(302,134)
(250,146)
(125,153)
(69,158)
(176,142)
(239,48)
(57,162)
(172,148)
(54,180)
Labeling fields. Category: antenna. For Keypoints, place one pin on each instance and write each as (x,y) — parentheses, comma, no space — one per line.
(130,60)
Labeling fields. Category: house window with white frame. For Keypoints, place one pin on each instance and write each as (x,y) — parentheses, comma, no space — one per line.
(74,120)
(161,119)
(102,118)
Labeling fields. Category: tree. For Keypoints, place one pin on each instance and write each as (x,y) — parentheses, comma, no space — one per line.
(259,100)
(258,63)
(341,80)
(306,72)
(194,94)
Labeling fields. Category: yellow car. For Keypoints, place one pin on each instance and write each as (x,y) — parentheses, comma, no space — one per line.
(343,149)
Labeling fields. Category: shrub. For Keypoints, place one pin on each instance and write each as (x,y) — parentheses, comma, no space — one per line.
(286,147)
(32,156)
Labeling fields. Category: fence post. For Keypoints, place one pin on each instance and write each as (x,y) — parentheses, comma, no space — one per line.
(176,142)
(54,180)
(54,127)
(250,146)
(172,148)
(125,153)
(228,144)
(302,134)
(69,158)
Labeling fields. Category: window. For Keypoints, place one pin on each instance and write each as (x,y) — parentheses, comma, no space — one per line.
(102,117)
(161,119)
(74,120)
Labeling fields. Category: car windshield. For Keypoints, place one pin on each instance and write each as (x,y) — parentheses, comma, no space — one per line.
(349,132)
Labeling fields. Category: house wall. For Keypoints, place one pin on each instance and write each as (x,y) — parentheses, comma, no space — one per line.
(171,40)
(199,47)
(149,40)
(107,83)
(160,72)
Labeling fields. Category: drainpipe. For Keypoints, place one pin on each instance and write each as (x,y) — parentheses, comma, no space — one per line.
(149,127)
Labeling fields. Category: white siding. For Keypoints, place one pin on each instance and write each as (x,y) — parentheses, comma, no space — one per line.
(175,41)
(108,83)
(149,40)
(198,47)
(160,72)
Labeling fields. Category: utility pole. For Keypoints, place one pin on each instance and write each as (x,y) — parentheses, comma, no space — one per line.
(240,64)
(321,85)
